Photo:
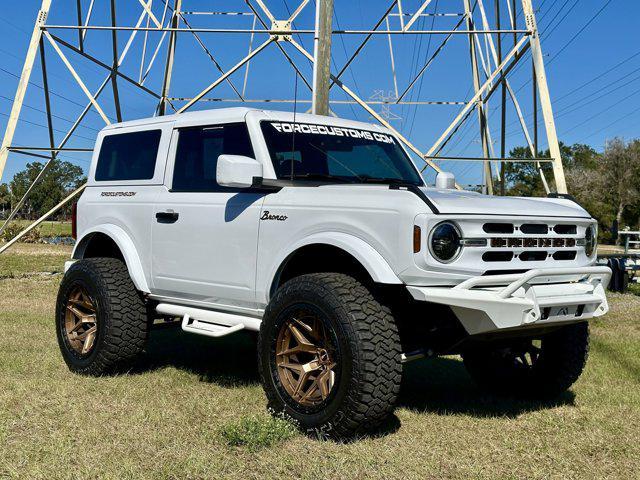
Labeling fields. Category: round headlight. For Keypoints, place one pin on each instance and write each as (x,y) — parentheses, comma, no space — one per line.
(444,242)
(591,240)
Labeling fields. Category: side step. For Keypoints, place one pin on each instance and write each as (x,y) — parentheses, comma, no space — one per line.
(208,322)
(209,329)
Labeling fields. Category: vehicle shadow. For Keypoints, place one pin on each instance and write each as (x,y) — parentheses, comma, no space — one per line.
(228,362)
(443,386)
(437,385)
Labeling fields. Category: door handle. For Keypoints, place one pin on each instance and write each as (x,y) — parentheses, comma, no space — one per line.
(167,217)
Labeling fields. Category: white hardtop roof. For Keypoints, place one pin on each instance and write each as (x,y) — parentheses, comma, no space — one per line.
(238,114)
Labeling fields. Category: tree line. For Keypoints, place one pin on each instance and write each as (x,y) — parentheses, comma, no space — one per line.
(606,184)
(59,181)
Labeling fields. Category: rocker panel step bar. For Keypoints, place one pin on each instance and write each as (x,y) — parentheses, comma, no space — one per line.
(210,323)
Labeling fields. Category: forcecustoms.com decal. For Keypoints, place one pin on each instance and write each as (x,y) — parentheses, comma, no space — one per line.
(283,127)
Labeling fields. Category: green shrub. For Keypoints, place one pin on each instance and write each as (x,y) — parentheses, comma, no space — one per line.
(14,228)
(255,433)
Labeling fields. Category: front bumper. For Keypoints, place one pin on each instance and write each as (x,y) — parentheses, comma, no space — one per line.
(489,303)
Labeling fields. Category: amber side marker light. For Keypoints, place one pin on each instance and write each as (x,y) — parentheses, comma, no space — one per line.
(417,238)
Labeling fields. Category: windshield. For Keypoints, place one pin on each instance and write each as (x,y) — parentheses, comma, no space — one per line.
(321,152)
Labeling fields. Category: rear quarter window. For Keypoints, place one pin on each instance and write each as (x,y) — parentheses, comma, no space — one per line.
(128,156)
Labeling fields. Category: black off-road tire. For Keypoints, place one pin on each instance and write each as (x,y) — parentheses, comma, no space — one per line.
(370,369)
(120,311)
(562,357)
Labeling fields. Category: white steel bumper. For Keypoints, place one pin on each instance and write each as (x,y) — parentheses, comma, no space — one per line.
(486,304)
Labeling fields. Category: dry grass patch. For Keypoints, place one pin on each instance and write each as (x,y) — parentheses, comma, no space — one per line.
(194,408)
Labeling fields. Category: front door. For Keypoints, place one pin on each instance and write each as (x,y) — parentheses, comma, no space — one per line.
(205,236)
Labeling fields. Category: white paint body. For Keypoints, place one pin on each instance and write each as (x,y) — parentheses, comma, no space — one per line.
(220,256)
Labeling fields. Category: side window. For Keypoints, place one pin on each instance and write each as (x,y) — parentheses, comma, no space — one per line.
(128,156)
(198,151)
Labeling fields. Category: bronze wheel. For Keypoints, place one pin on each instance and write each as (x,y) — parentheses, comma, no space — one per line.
(329,356)
(101,319)
(306,358)
(80,322)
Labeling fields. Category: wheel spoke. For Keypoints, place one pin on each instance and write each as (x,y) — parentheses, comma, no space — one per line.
(299,336)
(82,302)
(325,382)
(299,349)
(84,335)
(311,390)
(75,312)
(304,376)
(89,340)
(294,367)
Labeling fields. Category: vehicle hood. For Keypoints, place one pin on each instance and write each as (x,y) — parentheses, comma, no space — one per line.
(465,202)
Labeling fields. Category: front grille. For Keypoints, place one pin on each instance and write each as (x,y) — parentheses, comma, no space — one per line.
(497,256)
(513,242)
(565,229)
(534,228)
(498,227)
(532,242)
(533,256)
(565,255)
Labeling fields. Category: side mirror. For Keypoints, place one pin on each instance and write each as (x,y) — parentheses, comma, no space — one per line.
(445,180)
(237,171)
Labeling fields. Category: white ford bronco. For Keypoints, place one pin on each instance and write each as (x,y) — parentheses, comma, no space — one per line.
(320,234)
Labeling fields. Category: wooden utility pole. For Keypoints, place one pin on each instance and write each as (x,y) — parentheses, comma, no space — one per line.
(322,57)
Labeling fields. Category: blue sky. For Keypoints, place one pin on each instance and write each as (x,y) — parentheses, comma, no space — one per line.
(593,67)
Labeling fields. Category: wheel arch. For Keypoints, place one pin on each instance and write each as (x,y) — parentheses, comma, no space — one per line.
(339,252)
(112,241)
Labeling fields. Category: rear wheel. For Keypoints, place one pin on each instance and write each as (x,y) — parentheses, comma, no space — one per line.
(329,355)
(544,366)
(101,319)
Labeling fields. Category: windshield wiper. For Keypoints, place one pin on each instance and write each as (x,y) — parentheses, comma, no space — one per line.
(384,180)
(320,176)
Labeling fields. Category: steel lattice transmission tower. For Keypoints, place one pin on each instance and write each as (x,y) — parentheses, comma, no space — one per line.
(490,56)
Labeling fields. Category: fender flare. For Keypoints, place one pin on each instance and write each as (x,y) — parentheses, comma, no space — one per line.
(126,246)
(372,261)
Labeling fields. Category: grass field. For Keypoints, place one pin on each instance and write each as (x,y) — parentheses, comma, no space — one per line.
(195,409)
(49,228)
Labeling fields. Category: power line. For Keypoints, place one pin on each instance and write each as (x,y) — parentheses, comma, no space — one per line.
(616,121)
(344,49)
(44,126)
(426,56)
(577,34)
(543,32)
(42,88)
(53,115)
(587,83)
(624,99)
(597,77)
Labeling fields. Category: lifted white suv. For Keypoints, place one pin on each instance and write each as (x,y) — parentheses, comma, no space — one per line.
(320,234)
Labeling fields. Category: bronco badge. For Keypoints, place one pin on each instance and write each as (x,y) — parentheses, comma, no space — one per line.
(269,216)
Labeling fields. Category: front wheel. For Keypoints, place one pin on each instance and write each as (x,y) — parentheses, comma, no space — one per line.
(542,367)
(329,355)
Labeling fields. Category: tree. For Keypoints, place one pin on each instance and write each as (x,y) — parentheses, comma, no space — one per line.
(60,179)
(611,187)
(5,198)
(523,178)
(619,169)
